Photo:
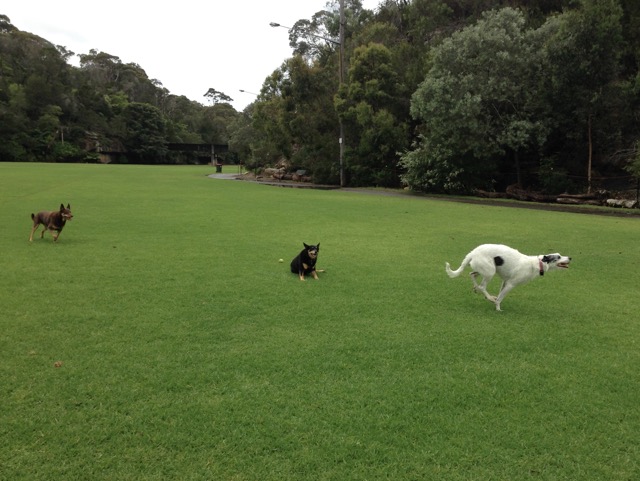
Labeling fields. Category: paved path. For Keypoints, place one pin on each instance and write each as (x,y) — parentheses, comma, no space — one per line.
(466,200)
(276,183)
(224,176)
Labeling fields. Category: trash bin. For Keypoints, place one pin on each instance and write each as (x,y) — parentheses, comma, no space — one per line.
(218,168)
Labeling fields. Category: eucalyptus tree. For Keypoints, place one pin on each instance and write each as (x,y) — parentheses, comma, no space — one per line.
(241,134)
(14,122)
(476,106)
(272,138)
(34,101)
(583,53)
(318,37)
(216,97)
(368,104)
(145,133)
(294,120)
(633,165)
(312,121)
(214,122)
(102,69)
(5,24)
(183,118)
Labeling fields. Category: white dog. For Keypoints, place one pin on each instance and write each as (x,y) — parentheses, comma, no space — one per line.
(513,267)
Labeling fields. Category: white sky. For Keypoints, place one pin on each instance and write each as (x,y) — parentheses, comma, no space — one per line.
(189,46)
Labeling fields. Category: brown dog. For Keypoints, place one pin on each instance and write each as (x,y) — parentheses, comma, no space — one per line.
(53,220)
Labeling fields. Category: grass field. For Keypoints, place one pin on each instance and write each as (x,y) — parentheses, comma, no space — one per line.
(188,352)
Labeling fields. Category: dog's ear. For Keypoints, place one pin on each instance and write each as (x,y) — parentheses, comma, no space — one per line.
(305,245)
(318,246)
(61,207)
(69,206)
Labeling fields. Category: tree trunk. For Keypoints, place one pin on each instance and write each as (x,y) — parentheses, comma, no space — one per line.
(590,156)
(516,159)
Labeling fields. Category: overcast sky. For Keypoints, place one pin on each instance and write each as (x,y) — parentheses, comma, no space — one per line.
(189,46)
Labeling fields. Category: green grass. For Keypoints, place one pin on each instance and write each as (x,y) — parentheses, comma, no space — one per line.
(190,353)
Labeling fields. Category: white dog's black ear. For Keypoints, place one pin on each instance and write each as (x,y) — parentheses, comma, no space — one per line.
(550,258)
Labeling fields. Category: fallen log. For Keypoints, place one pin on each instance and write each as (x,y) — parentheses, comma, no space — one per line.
(598,195)
(520,194)
(490,195)
(574,201)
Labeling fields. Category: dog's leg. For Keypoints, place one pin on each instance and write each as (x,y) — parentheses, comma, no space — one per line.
(33,230)
(474,276)
(504,290)
(482,287)
(55,233)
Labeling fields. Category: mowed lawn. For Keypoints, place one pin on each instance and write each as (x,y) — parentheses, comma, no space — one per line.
(187,351)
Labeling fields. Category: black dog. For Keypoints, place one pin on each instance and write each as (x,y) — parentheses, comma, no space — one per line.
(53,221)
(305,262)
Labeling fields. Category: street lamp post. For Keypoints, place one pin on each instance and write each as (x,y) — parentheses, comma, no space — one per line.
(341,81)
(340,45)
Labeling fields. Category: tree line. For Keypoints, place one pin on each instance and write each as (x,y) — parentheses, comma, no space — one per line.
(436,95)
(52,111)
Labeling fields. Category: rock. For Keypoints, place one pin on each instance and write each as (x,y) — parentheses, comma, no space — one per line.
(623,203)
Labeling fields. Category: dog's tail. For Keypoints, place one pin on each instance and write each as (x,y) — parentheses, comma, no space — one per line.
(33,216)
(458,271)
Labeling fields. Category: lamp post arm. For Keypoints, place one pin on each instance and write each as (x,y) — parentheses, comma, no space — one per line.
(326,39)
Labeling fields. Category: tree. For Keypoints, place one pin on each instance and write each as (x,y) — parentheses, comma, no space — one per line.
(313,123)
(270,121)
(241,135)
(295,120)
(5,24)
(216,97)
(476,106)
(633,166)
(583,61)
(145,137)
(366,105)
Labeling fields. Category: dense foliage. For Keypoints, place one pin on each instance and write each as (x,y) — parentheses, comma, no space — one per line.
(53,111)
(438,95)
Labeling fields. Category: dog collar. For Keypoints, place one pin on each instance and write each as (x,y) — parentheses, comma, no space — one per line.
(541,267)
